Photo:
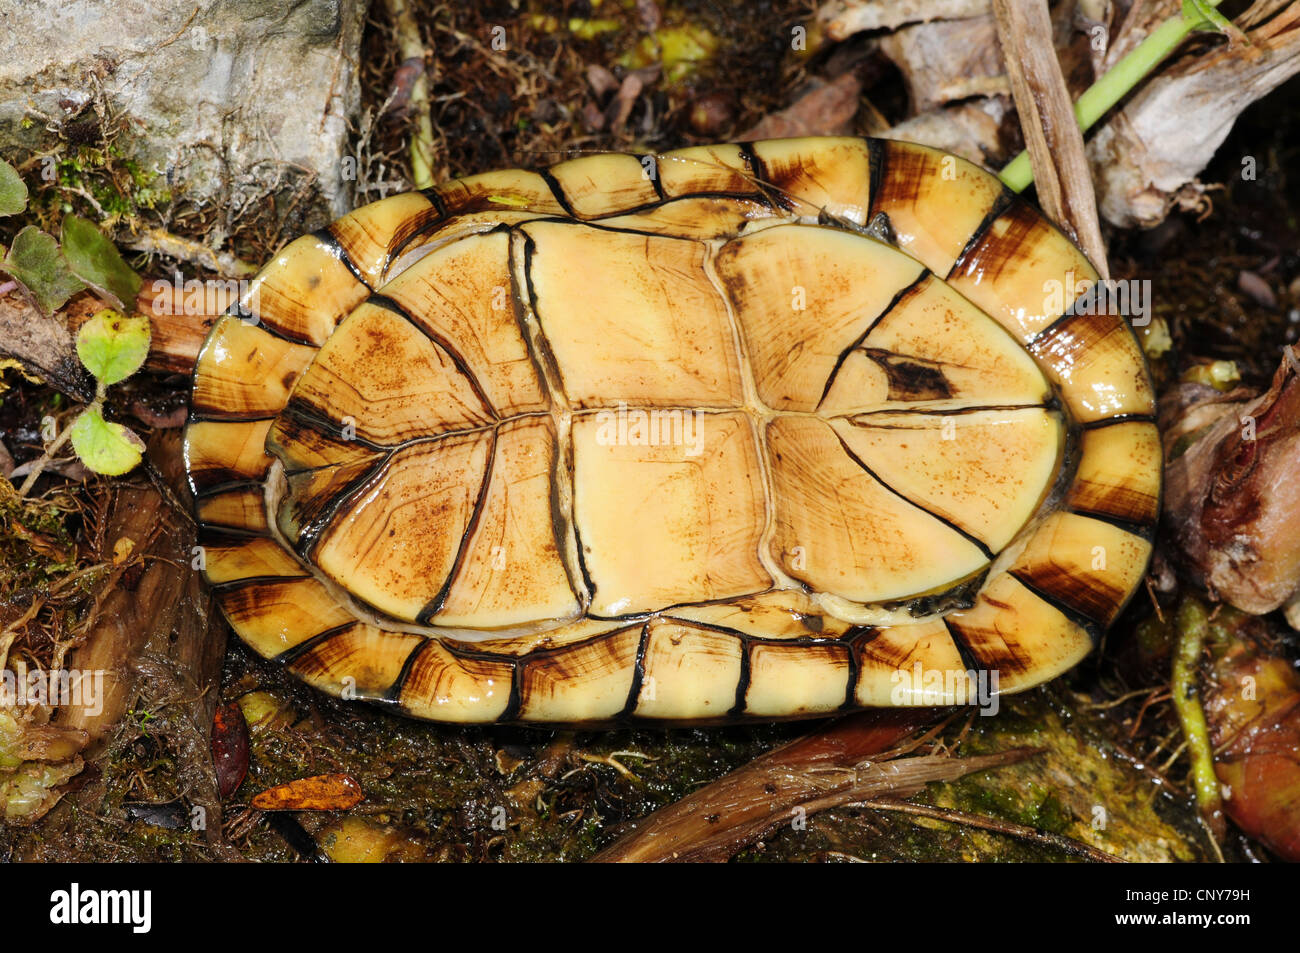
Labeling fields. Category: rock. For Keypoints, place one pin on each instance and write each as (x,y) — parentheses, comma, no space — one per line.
(224,101)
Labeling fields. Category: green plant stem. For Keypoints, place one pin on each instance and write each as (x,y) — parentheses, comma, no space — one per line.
(1098,99)
(1192,627)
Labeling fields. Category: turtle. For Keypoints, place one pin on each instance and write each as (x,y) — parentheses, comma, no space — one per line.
(751,431)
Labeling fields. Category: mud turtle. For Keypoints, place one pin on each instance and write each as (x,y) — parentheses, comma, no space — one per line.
(742,431)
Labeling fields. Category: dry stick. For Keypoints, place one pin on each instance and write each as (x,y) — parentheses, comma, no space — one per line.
(411,46)
(854,759)
(1120,79)
(994,824)
(1053,138)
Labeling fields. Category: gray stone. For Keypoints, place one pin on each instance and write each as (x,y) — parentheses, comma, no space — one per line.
(226,100)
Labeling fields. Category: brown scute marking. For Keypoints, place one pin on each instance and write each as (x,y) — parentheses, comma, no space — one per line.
(1119,473)
(232,559)
(220,452)
(372,659)
(1084,565)
(911,378)
(314,496)
(992,252)
(1097,364)
(590,680)
(275,616)
(441,685)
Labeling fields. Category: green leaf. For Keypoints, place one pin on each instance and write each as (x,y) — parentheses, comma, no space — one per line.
(13,191)
(113,346)
(34,260)
(97,262)
(105,447)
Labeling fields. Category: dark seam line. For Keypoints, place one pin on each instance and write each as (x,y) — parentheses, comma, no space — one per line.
(893,302)
(988,553)
(435,605)
(291,655)
(326,237)
(234,585)
(459,651)
(387,303)
(1001,203)
(1092,626)
(654,179)
(557,192)
(638,674)
(1118,419)
(436,200)
(309,534)
(878,167)
(1132,527)
(964,651)
(742,682)
(912,411)
(394,692)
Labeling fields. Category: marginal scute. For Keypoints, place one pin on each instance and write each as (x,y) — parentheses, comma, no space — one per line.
(591,681)
(1096,363)
(249,372)
(1119,473)
(786,678)
(305,291)
(1085,564)
(911,665)
(443,686)
(232,559)
(703,219)
(219,451)
(1023,271)
(1018,635)
(697,170)
(369,235)
(934,201)
(826,175)
(606,184)
(274,616)
(690,672)
(364,659)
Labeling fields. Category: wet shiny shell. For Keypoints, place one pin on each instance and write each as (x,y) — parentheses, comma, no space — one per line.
(676,438)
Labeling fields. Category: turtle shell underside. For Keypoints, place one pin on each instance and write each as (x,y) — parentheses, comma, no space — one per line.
(748,431)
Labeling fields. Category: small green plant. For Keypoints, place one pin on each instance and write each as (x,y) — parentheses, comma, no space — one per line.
(111,345)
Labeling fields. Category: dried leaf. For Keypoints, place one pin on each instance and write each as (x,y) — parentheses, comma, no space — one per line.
(324,792)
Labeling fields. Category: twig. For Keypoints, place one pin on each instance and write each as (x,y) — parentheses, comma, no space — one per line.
(1052,138)
(411,46)
(157,241)
(1010,828)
